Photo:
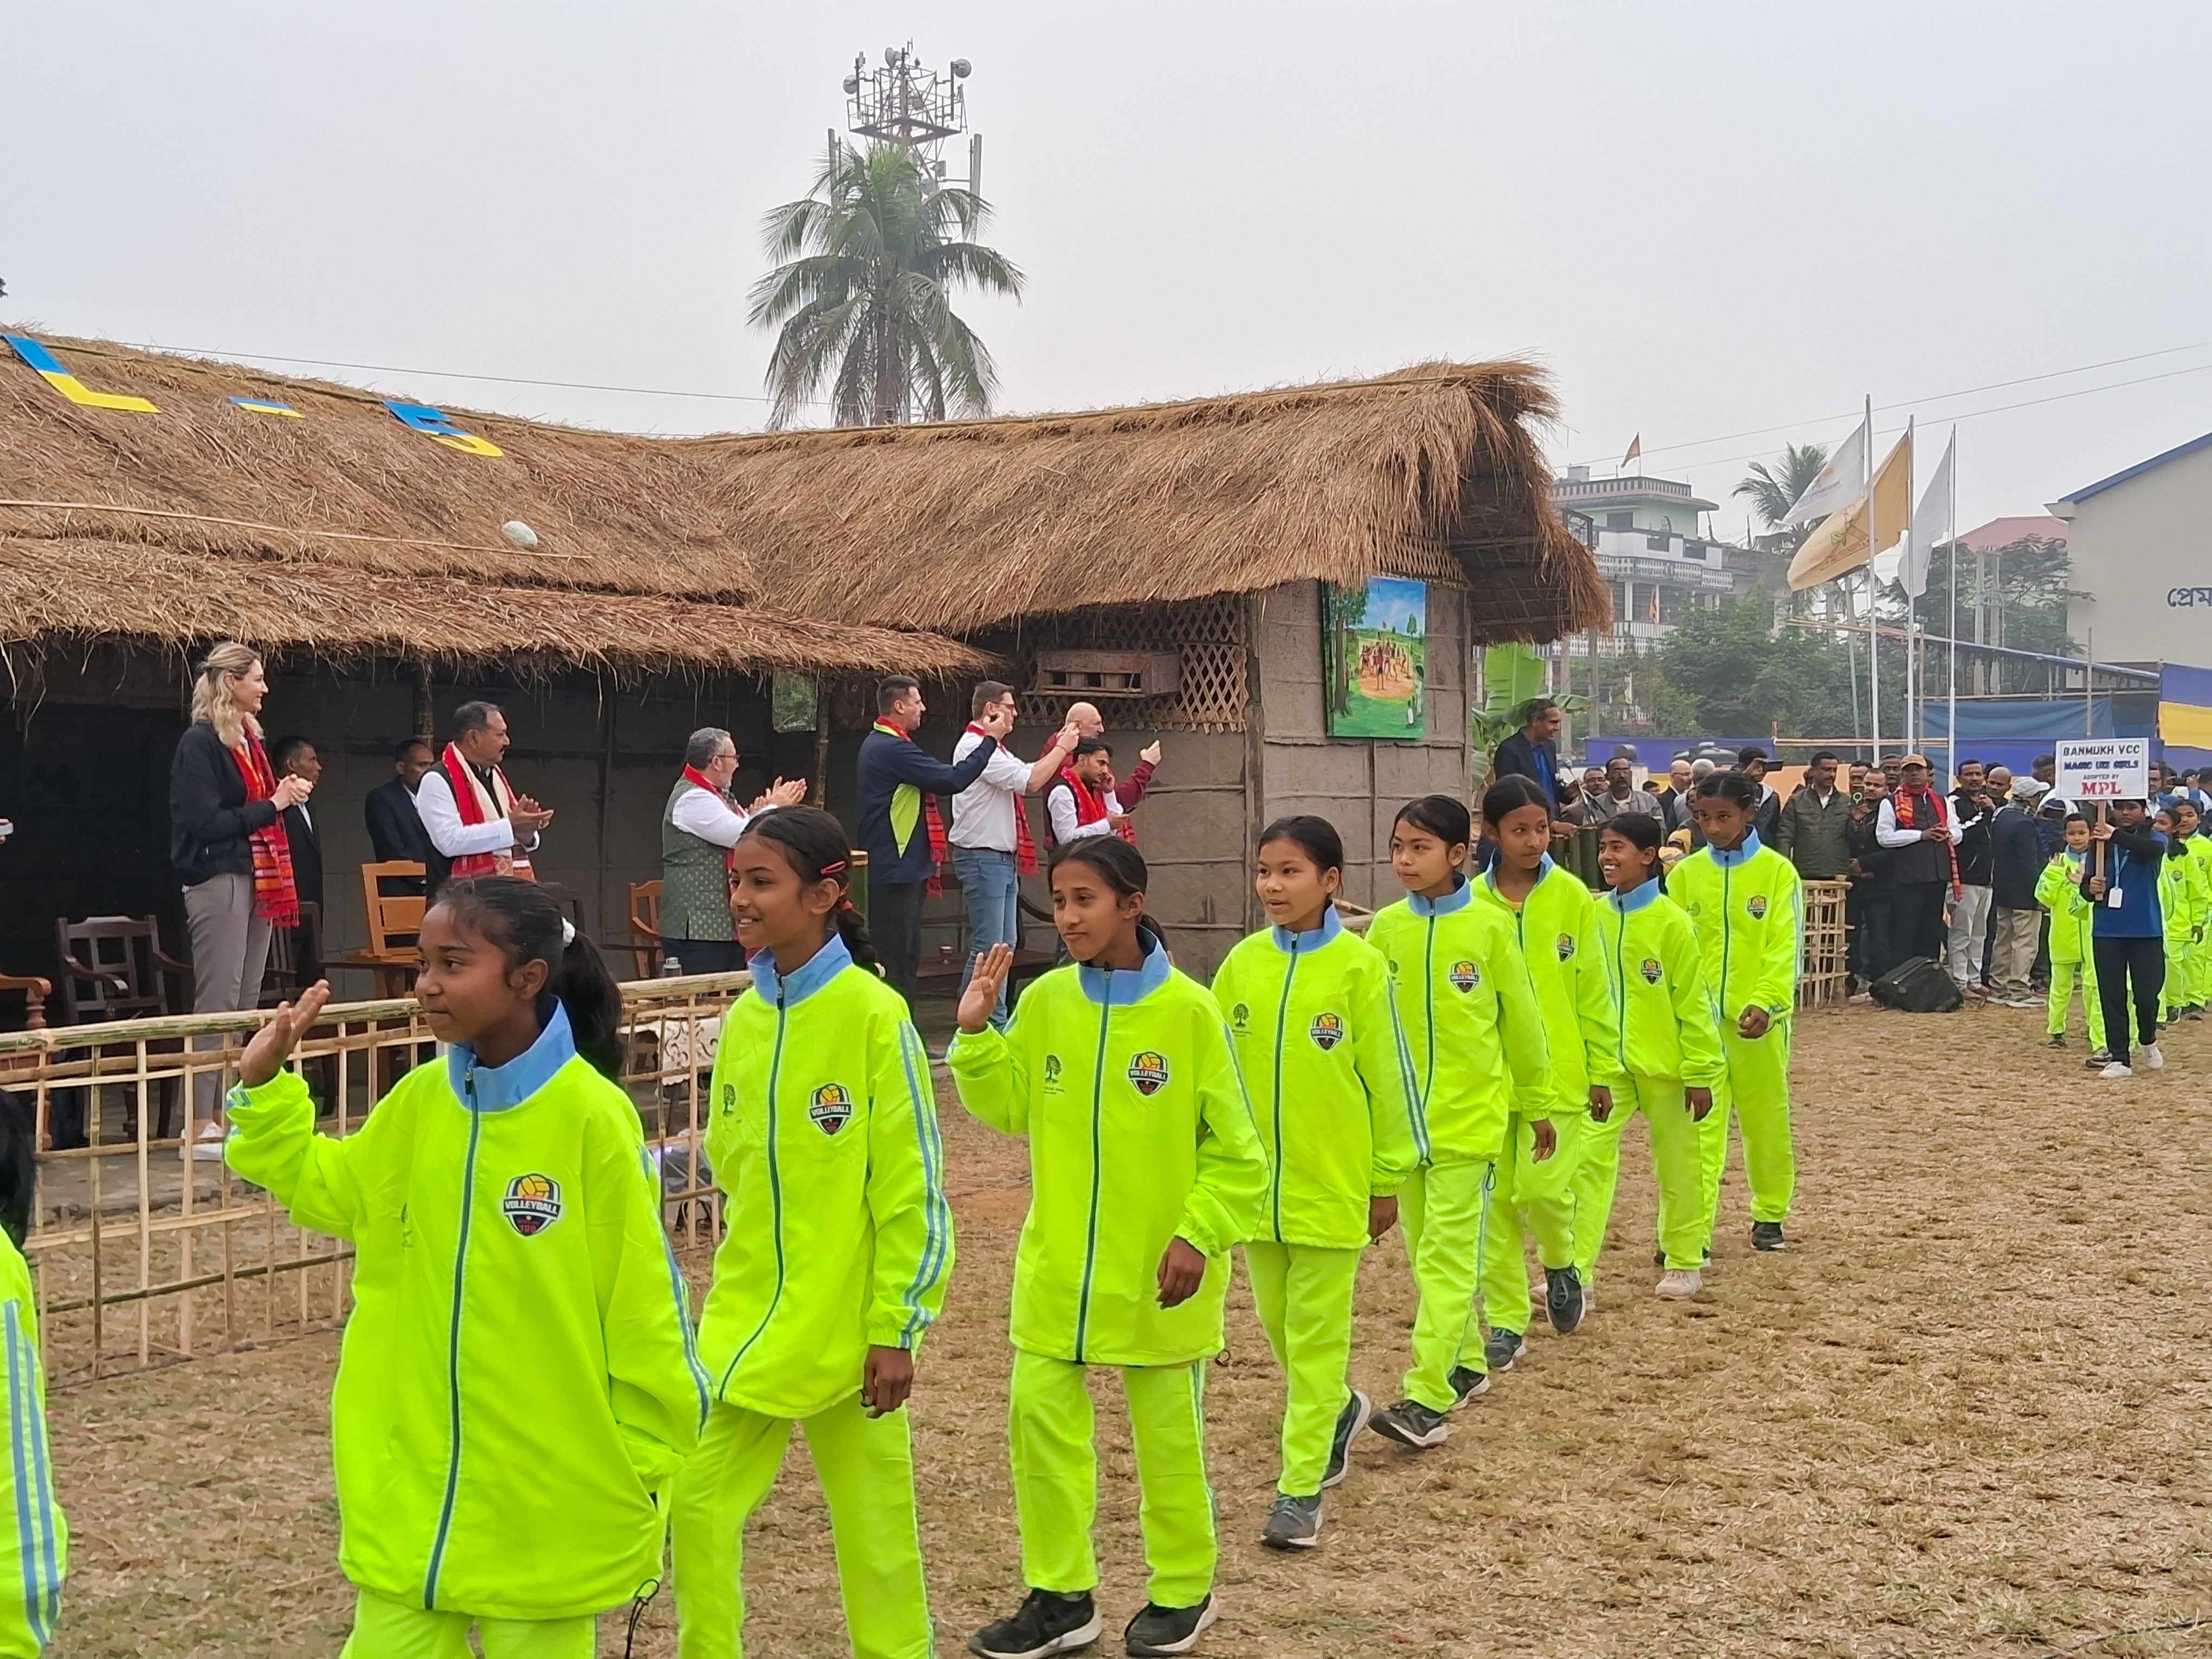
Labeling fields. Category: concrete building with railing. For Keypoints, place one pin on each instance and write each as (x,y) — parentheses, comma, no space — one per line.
(1644,533)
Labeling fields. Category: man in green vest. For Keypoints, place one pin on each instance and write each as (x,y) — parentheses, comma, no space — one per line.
(698,827)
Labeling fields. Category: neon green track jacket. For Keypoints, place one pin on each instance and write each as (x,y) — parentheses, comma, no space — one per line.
(1139,1133)
(1316,1029)
(2059,889)
(1749,906)
(824,1138)
(1553,929)
(518,1378)
(1471,1019)
(35,1552)
(1669,1027)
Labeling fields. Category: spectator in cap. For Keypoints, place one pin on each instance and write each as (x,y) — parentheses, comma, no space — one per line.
(1753,761)
(1922,839)
(2016,859)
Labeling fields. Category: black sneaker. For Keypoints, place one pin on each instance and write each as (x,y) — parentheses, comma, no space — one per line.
(1501,1348)
(1158,1631)
(1293,1524)
(1349,1422)
(1563,1298)
(1047,1623)
(2059,1039)
(1466,1383)
(1412,1424)
(1768,1235)
(2099,1058)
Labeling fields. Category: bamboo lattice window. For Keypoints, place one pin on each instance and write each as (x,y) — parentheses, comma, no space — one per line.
(1209,632)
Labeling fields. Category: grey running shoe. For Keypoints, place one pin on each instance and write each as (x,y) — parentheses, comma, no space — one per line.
(1501,1348)
(1047,1623)
(1349,1422)
(1158,1631)
(1768,1235)
(1466,1383)
(1563,1298)
(1412,1424)
(1293,1524)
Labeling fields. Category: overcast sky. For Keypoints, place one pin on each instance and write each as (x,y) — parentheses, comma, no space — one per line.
(1704,219)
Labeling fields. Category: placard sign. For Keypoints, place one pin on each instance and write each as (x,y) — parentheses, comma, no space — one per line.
(2092,769)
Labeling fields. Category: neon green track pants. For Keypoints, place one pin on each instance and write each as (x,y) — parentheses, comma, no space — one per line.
(1051,1434)
(2064,976)
(1303,1294)
(866,1467)
(1442,1212)
(1678,1143)
(1759,1093)
(1530,1199)
(385,1629)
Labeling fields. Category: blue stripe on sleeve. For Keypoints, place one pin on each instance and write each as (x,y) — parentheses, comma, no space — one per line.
(676,1289)
(936,1218)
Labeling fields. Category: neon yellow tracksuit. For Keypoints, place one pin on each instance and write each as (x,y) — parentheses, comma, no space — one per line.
(35,1552)
(1748,907)
(1139,1133)
(824,1136)
(1670,1042)
(1318,1039)
(1476,1036)
(2177,900)
(518,1381)
(2200,978)
(1553,927)
(2059,889)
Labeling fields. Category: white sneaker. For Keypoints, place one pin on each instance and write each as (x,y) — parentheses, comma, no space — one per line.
(2117,1070)
(1677,1285)
(206,1146)
(2149,1059)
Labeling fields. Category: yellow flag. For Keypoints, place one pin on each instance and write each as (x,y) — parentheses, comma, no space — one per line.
(1634,449)
(1840,544)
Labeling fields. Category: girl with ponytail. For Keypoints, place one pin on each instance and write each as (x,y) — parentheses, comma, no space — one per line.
(514,1296)
(823,1137)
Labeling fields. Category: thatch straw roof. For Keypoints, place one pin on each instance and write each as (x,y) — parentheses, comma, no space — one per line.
(347,531)
(347,534)
(1431,472)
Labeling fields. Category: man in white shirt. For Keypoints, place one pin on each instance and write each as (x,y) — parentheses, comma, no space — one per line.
(698,827)
(478,824)
(1922,838)
(990,833)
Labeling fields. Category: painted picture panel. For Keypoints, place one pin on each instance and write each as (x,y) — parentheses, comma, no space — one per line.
(1375,655)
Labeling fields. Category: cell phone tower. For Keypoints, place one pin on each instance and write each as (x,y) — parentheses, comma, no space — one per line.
(904,102)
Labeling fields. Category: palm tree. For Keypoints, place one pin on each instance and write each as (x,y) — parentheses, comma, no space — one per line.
(1773,490)
(868,259)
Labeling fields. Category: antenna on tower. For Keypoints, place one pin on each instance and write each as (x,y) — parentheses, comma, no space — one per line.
(905,102)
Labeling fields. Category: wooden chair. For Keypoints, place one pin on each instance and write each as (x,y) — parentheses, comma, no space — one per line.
(112,968)
(644,941)
(282,980)
(394,921)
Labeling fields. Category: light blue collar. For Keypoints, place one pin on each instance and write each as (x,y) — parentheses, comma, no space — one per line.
(825,965)
(1749,849)
(1117,988)
(1545,866)
(1635,899)
(497,1088)
(1306,943)
(1458,899)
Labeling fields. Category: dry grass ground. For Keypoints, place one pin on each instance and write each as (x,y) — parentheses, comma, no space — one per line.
(1965,1414)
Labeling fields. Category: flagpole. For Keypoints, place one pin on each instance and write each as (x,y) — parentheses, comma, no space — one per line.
(1912,732)
(1874,604)
(1951,679)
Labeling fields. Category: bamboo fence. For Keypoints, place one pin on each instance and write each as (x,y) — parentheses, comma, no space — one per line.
(140,1256)
(1823,971)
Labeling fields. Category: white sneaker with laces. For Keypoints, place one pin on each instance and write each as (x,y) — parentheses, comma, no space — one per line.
(2149,1059)
(206,1146)
(1677,1285)
(2117,1070)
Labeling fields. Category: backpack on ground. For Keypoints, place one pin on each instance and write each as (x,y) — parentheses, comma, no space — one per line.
(1917,986)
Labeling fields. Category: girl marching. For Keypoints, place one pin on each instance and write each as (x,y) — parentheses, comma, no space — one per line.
(1146,1166)
(1669,1051)
(2060,891)
(824,1136)
(1479,1051)
(518,1383)
(1311,1012)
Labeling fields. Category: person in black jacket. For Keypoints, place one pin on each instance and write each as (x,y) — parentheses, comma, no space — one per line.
(395,827)
(1533,753)
(295,757)
(2016,861)
(215,818)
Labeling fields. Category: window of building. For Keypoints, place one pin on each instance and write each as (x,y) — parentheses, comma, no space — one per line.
(1657,541)
(1693,550)
(1620,521)
(1670,604)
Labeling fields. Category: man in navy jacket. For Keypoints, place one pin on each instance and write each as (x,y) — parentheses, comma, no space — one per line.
(894,773)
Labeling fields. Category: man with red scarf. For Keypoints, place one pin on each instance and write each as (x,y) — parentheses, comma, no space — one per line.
(698,827)
(478,824)
(1923,868)
(1085,799)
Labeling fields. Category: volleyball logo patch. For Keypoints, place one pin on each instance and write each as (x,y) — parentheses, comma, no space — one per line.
(1757,905)
(1650,970)
(832,1109)
(1148,1072)
(531,1205)
(1567,946)
(1465,975)
(1327,1031)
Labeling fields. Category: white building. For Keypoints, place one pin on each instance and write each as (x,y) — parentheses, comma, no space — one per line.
(2140,543)
(1644,533)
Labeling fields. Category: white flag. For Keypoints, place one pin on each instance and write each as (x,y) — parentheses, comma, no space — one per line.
(1841,482)
(1888,564)
(1932,524)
